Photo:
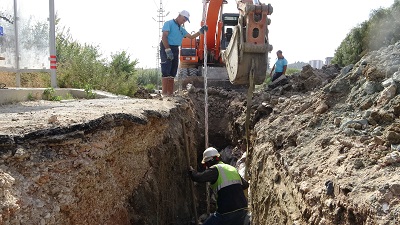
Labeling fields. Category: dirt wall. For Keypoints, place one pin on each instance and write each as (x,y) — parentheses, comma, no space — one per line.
(120,168)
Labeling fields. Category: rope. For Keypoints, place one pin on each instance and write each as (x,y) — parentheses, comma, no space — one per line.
(205,76)
(206,98)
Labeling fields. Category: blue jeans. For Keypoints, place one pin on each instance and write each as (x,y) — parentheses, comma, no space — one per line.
(169,67)
(234,218)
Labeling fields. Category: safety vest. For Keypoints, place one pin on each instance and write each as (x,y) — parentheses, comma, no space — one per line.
(228,175)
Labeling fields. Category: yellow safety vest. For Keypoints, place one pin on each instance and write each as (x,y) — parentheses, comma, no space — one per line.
(228,175)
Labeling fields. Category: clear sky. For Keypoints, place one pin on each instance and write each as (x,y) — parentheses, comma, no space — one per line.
(303,29)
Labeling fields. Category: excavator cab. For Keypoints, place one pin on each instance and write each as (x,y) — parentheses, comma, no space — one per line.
(190,60)
(229,21)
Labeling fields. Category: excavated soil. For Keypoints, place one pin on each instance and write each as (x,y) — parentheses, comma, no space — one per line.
(325,149)
(104,161)
(326,146)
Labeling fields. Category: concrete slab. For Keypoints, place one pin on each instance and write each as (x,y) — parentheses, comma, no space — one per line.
(12,95)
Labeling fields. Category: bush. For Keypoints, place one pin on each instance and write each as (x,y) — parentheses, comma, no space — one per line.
(82,66)
(381,30)
(48,94)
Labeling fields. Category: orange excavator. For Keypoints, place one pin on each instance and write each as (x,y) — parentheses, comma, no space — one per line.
(237,43)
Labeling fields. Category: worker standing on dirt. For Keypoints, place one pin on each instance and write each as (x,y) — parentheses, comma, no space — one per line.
(173,32)
(280,66)
(228,187)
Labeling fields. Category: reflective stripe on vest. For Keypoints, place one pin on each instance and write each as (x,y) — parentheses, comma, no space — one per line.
(228,175)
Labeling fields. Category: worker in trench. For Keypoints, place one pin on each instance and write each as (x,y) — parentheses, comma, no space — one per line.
(227,185)
(173,31)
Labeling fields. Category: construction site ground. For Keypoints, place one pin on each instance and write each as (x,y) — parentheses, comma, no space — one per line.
(325,149)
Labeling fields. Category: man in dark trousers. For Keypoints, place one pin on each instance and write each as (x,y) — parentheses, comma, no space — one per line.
(280,66)
(228,187)
(173,32)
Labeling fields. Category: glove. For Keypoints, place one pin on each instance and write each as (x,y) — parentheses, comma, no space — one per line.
(190,172)
(170,55)
(203,28)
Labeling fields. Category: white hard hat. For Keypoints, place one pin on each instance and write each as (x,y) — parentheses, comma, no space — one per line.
(209,153)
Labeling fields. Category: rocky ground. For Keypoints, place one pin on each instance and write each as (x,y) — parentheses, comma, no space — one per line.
(327,145)
(325,150)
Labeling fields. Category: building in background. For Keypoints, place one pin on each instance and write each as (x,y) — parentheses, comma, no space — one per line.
(316,64)
(328,60)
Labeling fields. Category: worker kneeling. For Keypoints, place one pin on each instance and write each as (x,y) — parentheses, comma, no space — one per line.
(227,185)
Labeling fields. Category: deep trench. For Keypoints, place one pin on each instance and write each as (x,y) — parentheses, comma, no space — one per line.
(131,168)
(223,131)
(116,169)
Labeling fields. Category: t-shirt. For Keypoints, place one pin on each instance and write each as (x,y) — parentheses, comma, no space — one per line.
(280,63)
(176,32)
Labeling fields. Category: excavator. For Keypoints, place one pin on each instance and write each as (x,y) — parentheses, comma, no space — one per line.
(236,45)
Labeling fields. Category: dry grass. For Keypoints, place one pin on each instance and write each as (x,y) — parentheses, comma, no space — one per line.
(34,80)
(7,78)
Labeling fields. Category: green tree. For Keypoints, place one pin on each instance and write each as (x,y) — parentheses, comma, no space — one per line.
(82,66)
(148,76)
(382,29)
(78,64)
(121,77)
(122,64)
(35,35)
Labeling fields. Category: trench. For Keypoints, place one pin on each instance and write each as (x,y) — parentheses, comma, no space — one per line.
(122,161)
(120,168)
(126,164)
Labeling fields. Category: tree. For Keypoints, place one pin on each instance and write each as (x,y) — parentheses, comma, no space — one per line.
(121,64)
(382,29)
(7,18)
(78,65)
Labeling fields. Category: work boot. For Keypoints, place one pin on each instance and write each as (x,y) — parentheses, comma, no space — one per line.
(164,84)
(170,88)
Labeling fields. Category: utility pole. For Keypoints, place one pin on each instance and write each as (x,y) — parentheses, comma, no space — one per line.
(52,45)
(160,19)
(17,58)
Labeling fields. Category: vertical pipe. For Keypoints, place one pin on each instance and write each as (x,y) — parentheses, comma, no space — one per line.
(52,43)
(18,77)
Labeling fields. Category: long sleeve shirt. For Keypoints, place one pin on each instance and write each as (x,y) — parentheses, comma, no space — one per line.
(229,198)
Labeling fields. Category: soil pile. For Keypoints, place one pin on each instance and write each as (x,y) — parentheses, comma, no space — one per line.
(326,146)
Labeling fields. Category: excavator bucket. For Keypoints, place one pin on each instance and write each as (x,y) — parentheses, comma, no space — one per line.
(249,43)
(238,59)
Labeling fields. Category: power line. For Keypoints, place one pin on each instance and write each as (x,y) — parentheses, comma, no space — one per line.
(155,3)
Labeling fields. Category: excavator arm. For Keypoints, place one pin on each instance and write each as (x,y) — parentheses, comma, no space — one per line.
(214,32)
